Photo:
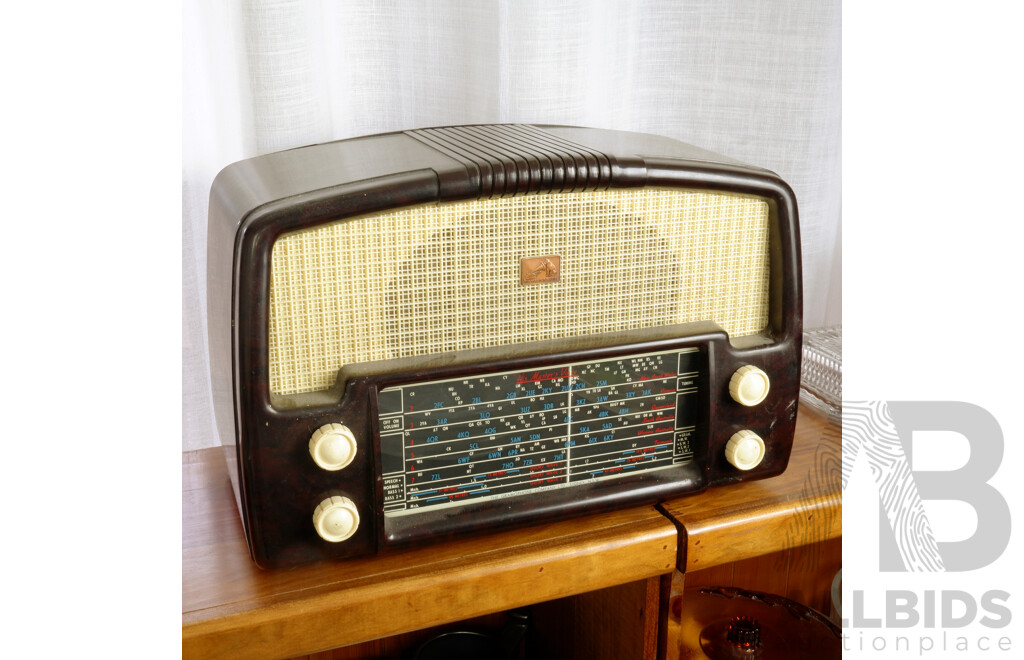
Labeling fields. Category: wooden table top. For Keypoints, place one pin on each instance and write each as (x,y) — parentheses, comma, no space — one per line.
(801,506)
(231,608)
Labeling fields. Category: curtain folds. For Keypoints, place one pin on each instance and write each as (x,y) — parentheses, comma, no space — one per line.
(759,82)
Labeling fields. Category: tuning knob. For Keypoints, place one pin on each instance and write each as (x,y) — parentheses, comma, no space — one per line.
(332,446)
(336,519)
(749,385)
(745,450)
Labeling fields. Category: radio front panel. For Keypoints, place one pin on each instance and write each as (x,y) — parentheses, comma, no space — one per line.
(429,334)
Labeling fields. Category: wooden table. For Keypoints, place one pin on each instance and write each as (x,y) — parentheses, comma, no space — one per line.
(781,535)
(231,608)
(802,506)
(606,578)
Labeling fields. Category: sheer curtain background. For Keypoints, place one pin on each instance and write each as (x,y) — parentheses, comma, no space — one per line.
(759,82)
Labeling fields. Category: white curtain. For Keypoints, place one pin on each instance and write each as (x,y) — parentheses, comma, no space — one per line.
(756,81)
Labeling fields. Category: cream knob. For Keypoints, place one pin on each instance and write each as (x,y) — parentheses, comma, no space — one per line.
(745,450)
(332,446)
(749,385)
(336,519)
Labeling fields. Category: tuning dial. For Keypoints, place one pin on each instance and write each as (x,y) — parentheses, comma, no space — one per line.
(745,450)
(336,519)
(749,385)
(332,446)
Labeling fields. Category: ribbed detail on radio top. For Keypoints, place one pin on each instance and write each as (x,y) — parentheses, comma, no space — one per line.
(447,277)
(509,159)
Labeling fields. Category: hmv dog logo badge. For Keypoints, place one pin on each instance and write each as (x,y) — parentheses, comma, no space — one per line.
(540,270)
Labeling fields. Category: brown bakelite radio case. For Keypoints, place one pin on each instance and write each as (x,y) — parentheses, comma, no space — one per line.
(432,333)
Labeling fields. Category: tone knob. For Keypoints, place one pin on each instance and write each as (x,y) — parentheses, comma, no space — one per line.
(336,519)
(749,385)
(332,446)
(745,450)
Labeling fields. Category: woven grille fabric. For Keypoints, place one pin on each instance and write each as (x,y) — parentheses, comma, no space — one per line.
(446,277)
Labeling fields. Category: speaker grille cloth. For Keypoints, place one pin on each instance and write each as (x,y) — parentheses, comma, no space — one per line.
(446,277)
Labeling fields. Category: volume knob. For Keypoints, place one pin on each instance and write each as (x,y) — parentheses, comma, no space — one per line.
(336,519)
(749,385)
(745,450)
(332,446)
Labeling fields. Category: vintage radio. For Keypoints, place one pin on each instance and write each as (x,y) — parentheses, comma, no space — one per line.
(438,332)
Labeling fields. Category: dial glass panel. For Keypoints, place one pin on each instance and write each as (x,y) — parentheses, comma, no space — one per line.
(450,442)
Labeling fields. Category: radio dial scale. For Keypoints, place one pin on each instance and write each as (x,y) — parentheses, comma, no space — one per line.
(449,442)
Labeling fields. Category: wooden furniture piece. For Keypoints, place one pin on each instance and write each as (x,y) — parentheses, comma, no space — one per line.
(800,507)
(598,566)
(782,535)
(598,586)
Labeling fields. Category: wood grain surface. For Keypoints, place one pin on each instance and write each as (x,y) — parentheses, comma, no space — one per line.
(231,608)
(801,507)
(803,574)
